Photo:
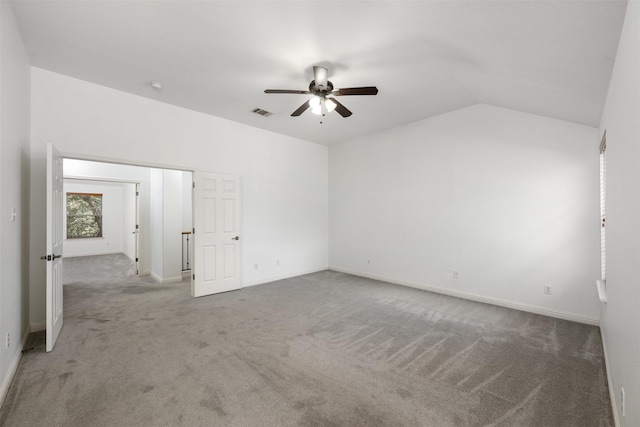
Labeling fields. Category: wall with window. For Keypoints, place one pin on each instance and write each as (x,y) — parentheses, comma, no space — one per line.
(507,201)
(113,217)
(620,315)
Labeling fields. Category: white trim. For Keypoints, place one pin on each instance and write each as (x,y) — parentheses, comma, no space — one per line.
(90,253)
(118,161)
(38,326)
(159,279)
(612,394)
(98,179)
(176,279)
(475,297)
(285,276)
(13,367)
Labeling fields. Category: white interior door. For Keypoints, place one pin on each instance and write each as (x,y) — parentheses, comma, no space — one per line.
(216,239)
(55,200)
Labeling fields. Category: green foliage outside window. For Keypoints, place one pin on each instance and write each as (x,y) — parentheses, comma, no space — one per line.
(84,215)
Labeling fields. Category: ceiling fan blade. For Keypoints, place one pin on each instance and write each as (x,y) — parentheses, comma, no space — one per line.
(341,109)
(367,90)
(320,75)
(300,109)
(298,92)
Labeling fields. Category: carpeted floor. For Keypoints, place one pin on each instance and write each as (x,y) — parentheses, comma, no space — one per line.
(324,349)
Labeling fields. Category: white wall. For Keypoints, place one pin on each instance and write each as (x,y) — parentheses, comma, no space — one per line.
(284,180)
(112,219)
(621,314)
(166,224)
(172,226)
(156,221)
(508,200)
(14,191)
(187,201)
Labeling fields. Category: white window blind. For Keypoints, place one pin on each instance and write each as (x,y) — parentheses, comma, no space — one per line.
(603,204)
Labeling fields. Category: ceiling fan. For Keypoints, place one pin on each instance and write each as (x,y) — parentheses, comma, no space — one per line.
(321,89)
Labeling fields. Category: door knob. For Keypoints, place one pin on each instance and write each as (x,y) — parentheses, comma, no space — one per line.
(235,238)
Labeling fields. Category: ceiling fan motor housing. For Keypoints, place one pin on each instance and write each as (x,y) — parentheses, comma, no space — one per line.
(320,90)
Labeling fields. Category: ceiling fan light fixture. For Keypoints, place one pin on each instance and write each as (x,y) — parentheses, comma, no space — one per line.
(321,106)
(330,105)
(315,103)
(319,89)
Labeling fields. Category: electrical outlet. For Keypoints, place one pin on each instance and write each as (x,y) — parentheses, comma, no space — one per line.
(255,266)
(622,400)
(455,275)
(8,341)
(547,289)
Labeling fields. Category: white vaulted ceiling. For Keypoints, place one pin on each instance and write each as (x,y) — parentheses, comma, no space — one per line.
(552,58)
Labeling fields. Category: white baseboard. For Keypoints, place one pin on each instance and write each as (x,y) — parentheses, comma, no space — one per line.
(176,279)
(285,276)
(83,254)
(612,393)
(475,297)
(13,367)
(38,326)
(159,279)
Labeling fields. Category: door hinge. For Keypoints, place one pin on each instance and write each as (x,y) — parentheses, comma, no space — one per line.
(194,230)
(193,184)
(194,277)
(137,259)
(137,193)
(137,226)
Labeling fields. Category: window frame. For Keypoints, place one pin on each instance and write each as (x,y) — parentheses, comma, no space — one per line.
(101,224)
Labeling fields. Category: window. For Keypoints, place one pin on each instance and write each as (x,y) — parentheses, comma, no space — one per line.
(603,204)
(602,283)
(84,215)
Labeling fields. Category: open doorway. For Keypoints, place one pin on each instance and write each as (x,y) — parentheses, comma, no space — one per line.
(144,215)
(101,218)
(214,199)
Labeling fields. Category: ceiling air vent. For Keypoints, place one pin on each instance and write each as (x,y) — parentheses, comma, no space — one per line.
(262,112)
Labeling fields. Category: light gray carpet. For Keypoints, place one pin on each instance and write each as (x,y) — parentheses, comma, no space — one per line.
(325,349)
